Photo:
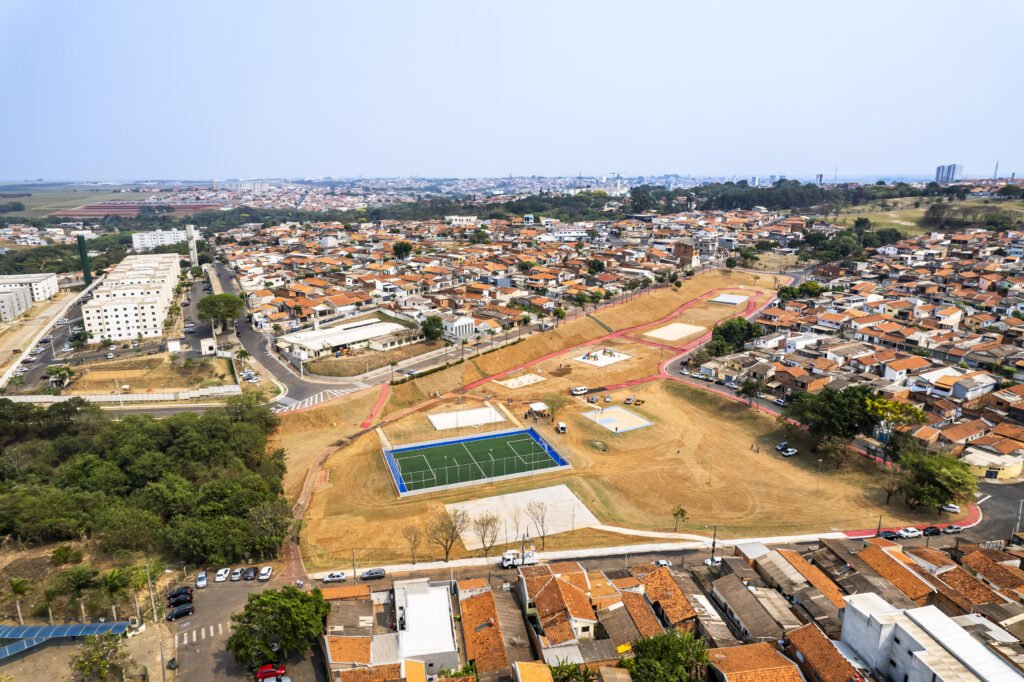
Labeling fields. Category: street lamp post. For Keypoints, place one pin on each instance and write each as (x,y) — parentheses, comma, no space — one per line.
(817,482)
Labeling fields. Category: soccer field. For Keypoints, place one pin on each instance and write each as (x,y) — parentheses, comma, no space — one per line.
(461,462)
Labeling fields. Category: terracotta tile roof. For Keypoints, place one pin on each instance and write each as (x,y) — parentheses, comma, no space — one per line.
(821,655)
(931,556)
(893,570)
(473,584)
(346,592)
(643,617)
(349,649)
(557,629)
(483,633)
(754,663)
(662,590)
(1003,577)
(390,672)
(533,671)
(972,589)
(558,596)
(815,576)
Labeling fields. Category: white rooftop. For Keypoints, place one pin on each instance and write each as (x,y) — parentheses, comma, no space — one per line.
(428,618)
(320,339)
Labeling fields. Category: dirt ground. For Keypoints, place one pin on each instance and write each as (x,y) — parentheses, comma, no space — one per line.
(308,434)
(416,427)
(366,360)
(705,314)
(147,374)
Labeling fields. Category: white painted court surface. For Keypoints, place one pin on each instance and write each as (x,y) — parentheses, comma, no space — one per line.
(603,357)
(675,331)
(463,418)
(617,419)
(730,299)
(521,380)
(565,512)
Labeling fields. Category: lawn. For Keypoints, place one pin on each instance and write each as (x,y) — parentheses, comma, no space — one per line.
(46,201)
(904,216)
(450,463)
(149,374)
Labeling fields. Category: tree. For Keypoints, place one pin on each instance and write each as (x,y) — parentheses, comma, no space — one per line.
(19,588)
(101,658)
(287,618)
(62,373)
(669,657)
(219,308)
(402,250)
(242,355)
(446,528)
(538,513)
(77,579)
(836,451)
(485,527)
(113,583)
(838,413)
(559,313)
(679,515)
(641,200)
(414,536)
(750,389)
(933,480)
(730,262)
(564,671)
(892,416)
(433,327)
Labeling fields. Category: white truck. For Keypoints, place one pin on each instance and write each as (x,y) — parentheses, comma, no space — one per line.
(514,557)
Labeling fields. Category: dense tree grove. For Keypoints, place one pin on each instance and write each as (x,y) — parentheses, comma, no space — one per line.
(791,194)
(200,487)
(730,336)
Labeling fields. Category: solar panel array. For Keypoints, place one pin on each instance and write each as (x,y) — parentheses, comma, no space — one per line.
(27,636)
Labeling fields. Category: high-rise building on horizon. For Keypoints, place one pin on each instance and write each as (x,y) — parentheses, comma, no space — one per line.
(948,173)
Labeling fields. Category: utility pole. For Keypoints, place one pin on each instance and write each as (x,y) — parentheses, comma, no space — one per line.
(714,541)
(152,599)
(354,564)
(879,531)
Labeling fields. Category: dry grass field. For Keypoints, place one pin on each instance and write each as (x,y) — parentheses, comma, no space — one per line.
(149,374)
(698,453)
(706,314)
(46,201)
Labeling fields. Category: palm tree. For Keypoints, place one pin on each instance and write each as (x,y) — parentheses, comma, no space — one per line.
(19,588)
(48,596)
(242,356)
(113,583)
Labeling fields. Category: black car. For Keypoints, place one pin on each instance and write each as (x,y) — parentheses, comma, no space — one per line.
(181,612)
(180,600)
(888,535)
(184,589)
(250,573)
(931,530)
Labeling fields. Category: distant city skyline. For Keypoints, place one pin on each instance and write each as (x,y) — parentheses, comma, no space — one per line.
(190,90)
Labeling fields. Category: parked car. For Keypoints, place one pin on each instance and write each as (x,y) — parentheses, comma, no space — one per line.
(732,385)
(592,399)
(782,446)
(201,580)
(909,532)
(63,320)
(713,562)
(184,589)
(931,531)
(685,372)
(110,356)
(250,573)
(222,575)
(270,670)
(334,577)
(579,390)
(789,452)
(953,529)
(265,573)
(629,400)
(781,402)
(237,574)
(181,612)
(180,600)
(372,574)
(663,562)
(607,398)
(951,508)
(888,535)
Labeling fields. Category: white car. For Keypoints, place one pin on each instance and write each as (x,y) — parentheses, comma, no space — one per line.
(265,573)
(201,580)
(789,452)
(222,575)
(110,356)
(236,574)
(909,532)
(951,508)
(335,577)
(579,390)
(716,561)
(663,562)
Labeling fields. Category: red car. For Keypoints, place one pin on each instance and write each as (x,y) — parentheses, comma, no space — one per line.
(270,670)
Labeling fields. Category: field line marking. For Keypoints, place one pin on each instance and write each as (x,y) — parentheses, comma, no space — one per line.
(513,448)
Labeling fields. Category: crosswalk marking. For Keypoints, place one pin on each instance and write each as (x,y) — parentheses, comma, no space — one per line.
(197,634)
(287,404)
(220,628)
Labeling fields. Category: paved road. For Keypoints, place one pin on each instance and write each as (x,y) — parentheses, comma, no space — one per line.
(1000,504)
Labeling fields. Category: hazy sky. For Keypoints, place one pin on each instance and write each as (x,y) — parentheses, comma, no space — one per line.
(111,90)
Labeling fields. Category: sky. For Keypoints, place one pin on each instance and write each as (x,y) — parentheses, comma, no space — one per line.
(110,90)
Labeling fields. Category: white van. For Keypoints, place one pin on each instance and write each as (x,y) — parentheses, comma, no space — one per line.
(579,390)
(561,428)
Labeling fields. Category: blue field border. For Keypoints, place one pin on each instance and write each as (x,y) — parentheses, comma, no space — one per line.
(403,489)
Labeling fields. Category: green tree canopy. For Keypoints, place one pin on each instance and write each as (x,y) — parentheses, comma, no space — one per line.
(670,657)
(433,327)
(219,308)
(287,618)
(402,250)
(932,480)
(843,414)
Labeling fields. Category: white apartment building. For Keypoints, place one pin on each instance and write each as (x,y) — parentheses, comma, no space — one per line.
(134,298)
(145,241)
(43,286)
(917,645)
(14,302)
